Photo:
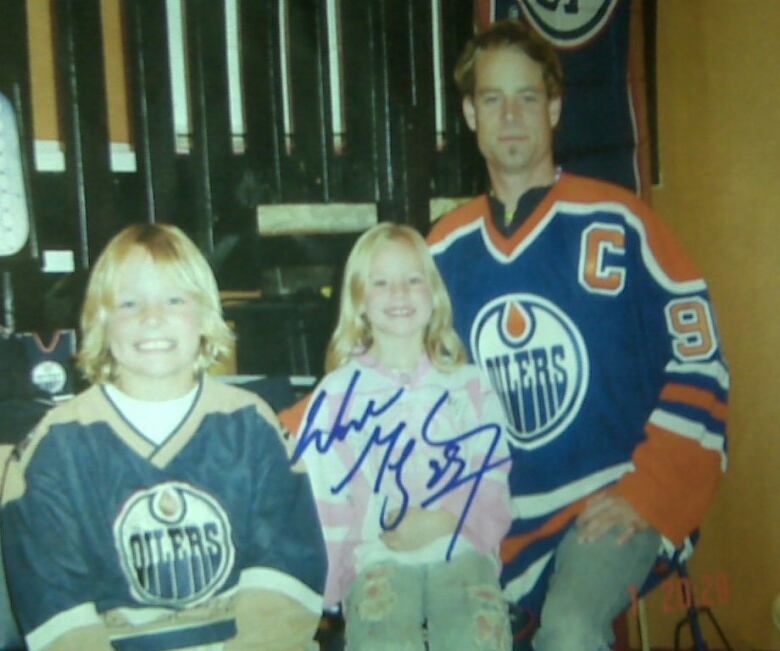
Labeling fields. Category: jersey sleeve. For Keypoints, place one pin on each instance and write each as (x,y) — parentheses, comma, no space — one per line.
(288,544)
(49,573)
(292,625)
(283,584)
(679,464)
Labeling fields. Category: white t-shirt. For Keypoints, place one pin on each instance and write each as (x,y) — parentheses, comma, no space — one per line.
(155,420)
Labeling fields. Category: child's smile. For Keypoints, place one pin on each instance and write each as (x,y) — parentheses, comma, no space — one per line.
(154,345)
(154,331)
(398,301)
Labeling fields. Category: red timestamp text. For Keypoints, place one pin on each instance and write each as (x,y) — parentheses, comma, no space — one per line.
(681,593)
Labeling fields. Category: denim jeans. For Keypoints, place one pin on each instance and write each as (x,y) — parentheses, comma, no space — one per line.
(590,586)
(460,602)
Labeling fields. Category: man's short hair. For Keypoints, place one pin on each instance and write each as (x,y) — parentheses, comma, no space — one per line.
(511,34)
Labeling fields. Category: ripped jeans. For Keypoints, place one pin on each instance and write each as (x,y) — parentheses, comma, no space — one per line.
(459,601)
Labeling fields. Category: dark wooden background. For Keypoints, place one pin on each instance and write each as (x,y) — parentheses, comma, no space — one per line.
(390,157)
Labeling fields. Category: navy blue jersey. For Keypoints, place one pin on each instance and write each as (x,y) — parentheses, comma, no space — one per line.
(157,544)
(51,367)
(598,336)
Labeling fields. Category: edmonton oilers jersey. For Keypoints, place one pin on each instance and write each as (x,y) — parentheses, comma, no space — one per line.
(155,542)
(52,369)
(598,335)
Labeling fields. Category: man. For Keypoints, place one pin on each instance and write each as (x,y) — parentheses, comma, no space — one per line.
(597,333)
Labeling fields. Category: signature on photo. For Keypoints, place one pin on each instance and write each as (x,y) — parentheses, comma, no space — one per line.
(448,469)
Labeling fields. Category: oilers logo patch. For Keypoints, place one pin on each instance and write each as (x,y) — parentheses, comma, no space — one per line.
(175,545)
(537,363)
(568,23)
(49,376)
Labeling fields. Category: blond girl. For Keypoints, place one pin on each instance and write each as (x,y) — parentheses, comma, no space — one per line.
(404,445)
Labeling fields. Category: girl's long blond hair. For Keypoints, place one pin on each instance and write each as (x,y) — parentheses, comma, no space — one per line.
(174,253)
(353,336)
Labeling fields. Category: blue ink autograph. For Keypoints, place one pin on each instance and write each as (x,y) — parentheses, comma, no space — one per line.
(446,476)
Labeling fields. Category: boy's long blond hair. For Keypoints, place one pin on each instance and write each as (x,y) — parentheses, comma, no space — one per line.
(353,336)
(174,253)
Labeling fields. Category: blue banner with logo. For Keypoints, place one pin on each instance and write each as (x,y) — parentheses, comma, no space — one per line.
(603,128)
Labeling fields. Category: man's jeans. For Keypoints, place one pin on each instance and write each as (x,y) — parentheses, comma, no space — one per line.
(591,585)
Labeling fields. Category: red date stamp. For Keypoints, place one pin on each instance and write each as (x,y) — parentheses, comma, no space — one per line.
(680,593)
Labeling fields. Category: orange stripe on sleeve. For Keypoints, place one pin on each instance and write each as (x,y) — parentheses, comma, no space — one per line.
(673,484)
(695,397)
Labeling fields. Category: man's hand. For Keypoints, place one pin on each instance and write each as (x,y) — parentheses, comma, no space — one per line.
(605,511)
(418,528)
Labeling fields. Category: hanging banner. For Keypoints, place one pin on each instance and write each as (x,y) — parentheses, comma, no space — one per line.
(603,128)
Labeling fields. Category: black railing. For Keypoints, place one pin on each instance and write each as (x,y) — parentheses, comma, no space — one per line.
(370,138)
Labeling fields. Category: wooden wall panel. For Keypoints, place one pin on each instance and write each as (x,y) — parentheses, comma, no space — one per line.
(719,111)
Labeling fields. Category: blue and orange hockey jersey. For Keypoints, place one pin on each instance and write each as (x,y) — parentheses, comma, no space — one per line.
(598,335)
(210,539)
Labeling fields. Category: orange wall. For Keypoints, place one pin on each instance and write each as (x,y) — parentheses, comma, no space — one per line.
(719,104)
(42,74)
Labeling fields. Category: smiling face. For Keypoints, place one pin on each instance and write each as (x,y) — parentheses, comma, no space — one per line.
(397,303)
(512,115)
(153,330)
